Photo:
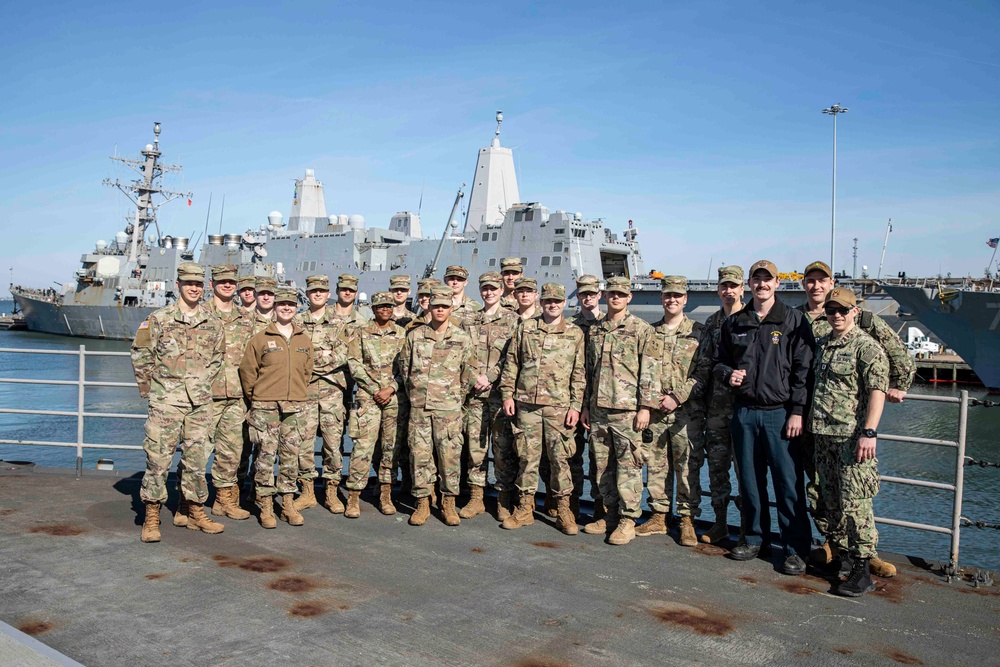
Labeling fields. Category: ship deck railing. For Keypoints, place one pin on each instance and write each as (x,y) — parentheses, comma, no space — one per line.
(954,487)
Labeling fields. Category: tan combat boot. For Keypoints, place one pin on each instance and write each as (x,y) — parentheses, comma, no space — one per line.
(385,505)
(288,511)
(198,520)
(181,515)
(229,497)
(719,532)
(475,506)
(566,521)
(332,499)
(825,554)
(307,498)
(550,503)
(151,524)
(422,512)
(503,505)
(689,538)
(599,525)
(266,505)
(219,506)
(448,512)
(624,533)
(524,513)
(433,498)
(881,568)
(656,525)
(353,510)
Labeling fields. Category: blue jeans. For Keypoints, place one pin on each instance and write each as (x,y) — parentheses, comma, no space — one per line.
(759,445)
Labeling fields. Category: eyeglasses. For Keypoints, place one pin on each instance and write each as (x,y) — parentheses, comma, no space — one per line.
(837,310)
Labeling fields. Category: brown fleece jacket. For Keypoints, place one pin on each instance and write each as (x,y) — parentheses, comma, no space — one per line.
(274,369)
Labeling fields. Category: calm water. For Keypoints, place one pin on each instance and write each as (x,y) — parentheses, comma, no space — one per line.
(924,419)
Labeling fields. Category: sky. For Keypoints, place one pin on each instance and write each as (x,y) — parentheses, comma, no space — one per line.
(699,121)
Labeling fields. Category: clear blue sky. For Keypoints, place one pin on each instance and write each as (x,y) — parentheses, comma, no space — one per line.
(700,121)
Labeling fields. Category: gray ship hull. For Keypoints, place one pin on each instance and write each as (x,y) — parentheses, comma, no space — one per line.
(966,321)
(108,322)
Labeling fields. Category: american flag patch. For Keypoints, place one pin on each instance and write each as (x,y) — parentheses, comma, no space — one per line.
(144,325)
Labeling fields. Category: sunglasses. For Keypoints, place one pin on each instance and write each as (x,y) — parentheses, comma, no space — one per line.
(837,310)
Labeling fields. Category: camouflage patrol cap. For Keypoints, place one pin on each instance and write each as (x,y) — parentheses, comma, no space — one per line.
(286,294)
(425,286)
(382,299)
(553,291)
(457,271)
(511,264)
(526,283)
(491,279)
(441,296)
(399,282)
(842,296)
(318,282)
(819,266)
(224,272)
(265,284)
(619,284)
(348,281)
(191,271)
(588,284)
(674,285)
(731,274)
(245,282)
(765,264)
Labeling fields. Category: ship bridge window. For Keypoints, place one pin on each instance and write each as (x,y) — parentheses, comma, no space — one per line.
(486,236)
(524,261)
(518,216)
(494,236)
(529,215)
(560,231)
(557,246)
(580,233)
(545,261)
(493,261)
(556,261)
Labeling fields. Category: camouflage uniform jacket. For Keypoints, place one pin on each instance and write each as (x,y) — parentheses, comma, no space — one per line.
(330,342)
(901,365)
(585,323)
(684,370)
(176,357)
(491,335)
(404,319)
(276,370)
(238,326)
(626,373)
(845,370)
(260,322)
(466,309)
(546,365)
(438,373)
(717,394)
(509,302)
(374,357)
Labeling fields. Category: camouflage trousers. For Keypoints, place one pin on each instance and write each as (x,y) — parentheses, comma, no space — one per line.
(374,428)
(165,427)
(276,430)
(440,432)
(718,450)
(541,428)
(619,457)
(325,415)
(818,505)
(848,487)
(674,458)
(486,426)
(228,415)
(575,465)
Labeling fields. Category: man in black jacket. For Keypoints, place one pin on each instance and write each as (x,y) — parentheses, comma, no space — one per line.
(765,353)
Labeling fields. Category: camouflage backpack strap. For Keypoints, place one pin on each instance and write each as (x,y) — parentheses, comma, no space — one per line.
(867,321)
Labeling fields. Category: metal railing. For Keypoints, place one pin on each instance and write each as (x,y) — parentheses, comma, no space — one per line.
(81,383)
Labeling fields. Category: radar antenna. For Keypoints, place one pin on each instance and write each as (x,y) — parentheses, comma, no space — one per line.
(499,121)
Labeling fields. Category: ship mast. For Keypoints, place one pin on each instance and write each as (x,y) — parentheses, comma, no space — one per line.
(140,192)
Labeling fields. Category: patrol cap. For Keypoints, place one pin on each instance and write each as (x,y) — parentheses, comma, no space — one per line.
(674,285)
(619,284)
(224,272)
(457,271)
(348,281)
(266,284)
(441,296)
(553,291)
(528,283)
(425,286)
(399,282)
(765,264)
(191,271)
(731,274)
(819,266)
(511,264)
(490,279)
(286,294)
(245,282)
(319,282)
(588,284)
(382,299)
(842,296)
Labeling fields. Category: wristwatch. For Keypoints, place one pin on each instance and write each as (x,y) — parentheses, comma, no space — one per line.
(870,433)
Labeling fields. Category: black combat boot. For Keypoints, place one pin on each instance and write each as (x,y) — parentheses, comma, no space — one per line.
(858,582)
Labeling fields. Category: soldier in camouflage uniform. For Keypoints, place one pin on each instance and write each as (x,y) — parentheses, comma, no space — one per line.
(718,406)
(275,372)
(177,353)
(228,406)
(399,286)
(545,374)
(263,311)
(818,281)
(510,271)
(246,290)
(588,290)
(381,410)
(490,329)
(621,392)
(676,452)
(328,389)
(526,296)
(851,378)
(438,364)
(456,278)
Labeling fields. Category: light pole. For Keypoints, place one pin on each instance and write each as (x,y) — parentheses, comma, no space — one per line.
(833,110)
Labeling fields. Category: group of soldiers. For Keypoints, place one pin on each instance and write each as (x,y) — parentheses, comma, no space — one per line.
(432,394)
